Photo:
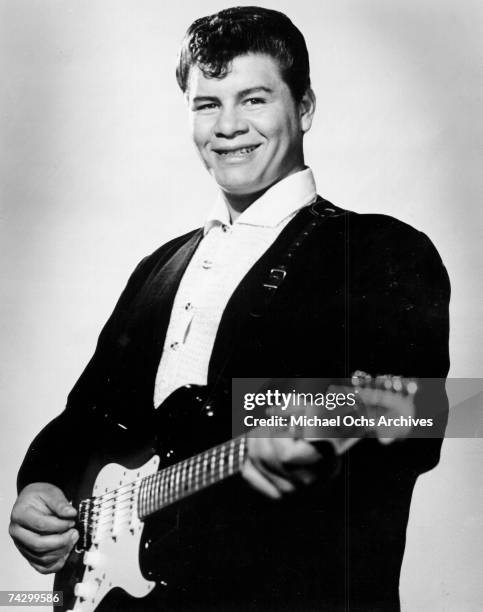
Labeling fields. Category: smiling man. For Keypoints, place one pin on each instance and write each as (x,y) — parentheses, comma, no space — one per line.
(278,283)
(248,126)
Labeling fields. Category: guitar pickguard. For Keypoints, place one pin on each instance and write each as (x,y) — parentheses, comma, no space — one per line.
(113,557)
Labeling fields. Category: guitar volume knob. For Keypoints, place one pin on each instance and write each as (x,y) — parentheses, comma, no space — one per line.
(92,558)
(84,590)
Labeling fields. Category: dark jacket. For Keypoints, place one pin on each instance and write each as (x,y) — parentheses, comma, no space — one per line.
(364,292)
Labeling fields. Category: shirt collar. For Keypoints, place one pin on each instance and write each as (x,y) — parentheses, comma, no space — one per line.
(279,202)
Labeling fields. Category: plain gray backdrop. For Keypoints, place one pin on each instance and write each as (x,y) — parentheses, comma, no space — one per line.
(97,170)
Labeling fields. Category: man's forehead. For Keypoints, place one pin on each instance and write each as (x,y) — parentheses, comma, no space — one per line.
(244,72)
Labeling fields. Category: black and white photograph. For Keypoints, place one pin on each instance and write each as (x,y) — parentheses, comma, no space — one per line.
(241,306)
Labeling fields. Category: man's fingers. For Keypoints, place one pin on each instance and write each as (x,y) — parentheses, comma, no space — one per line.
(56,502)
(33,520)
(270,472)
(47,559)
(296,453)
(51,568)
(259,481)
(42,544)
(284,463)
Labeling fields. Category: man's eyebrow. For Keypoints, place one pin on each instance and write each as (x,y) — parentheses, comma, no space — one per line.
(252,90)
(205,99)
(241,94)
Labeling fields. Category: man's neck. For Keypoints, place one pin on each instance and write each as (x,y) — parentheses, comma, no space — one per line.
(237,203)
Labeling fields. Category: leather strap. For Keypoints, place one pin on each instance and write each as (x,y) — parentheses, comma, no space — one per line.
(320,211)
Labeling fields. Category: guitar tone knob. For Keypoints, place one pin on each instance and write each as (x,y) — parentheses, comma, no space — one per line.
(92,558)
(84,590)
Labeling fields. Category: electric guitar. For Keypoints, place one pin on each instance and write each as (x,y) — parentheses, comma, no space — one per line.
(115,503)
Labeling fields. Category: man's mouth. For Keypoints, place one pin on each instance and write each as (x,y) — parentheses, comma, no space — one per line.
(238,153)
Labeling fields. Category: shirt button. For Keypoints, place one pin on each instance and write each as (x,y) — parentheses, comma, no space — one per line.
(225,228)
(188,306)
(207,263)
(174,346)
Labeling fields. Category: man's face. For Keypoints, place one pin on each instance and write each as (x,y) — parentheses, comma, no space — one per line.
(247,126)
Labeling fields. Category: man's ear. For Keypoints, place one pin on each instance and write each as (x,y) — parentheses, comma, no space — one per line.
(307,109)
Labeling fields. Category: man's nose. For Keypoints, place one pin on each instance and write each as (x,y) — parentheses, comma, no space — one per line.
(230,123)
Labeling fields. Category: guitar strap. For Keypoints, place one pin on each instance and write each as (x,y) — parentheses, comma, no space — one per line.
(320,211)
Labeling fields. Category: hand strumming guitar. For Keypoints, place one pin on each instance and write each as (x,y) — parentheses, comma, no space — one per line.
(279,466)
(41,526)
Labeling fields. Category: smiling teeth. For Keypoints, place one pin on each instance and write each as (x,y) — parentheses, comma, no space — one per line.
(243,151)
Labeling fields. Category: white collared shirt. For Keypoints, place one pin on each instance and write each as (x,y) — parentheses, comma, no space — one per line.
(224,256)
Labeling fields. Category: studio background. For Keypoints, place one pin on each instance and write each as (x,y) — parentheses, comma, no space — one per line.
(97,169)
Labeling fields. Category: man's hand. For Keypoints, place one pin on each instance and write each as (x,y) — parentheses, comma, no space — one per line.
(278,466)
(41,526)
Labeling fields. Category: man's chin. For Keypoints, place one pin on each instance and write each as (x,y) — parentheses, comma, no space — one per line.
(239,188)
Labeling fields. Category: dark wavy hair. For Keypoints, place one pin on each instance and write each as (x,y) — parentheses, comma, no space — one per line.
(212,42)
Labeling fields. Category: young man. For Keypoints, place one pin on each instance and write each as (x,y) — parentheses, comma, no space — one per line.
(360,292)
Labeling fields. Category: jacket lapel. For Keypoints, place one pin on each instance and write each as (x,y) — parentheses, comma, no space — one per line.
(167,281)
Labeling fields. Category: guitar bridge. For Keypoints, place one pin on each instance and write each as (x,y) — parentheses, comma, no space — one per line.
(83,525)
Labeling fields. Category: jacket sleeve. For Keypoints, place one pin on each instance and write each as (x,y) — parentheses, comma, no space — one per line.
(410,310)
(60,451)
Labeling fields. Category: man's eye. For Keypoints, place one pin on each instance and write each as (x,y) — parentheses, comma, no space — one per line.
(254,101)
(207,106)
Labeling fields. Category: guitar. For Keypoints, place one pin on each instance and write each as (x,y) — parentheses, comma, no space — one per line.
(122,498)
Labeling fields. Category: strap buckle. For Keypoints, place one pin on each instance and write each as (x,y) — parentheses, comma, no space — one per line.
(276,278)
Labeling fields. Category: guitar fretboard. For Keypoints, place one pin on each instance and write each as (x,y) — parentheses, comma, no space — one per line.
(103,515)
(191,475)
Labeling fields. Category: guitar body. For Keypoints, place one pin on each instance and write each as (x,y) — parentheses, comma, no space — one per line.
(154,527)
(115,568)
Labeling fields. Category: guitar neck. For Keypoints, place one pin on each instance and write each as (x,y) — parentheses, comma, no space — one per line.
(191,475)
(198,472)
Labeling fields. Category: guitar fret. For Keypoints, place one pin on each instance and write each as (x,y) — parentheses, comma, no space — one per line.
(150,494)
(162,486)
(200,471)
(196,471)
(177,480)
(156,487)
(204,470)
(241,451)
(212,465)
(195,474)
(143,497)
(188,476)
(230,462)
(220,463)
(152,485)
(171,484)
(183,474)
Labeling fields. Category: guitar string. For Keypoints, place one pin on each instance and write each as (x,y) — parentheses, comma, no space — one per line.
(177,481)
(169,485)
(115,494)
(120,519)
(165,487)
(101,527)
(187,463)
(124,489)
